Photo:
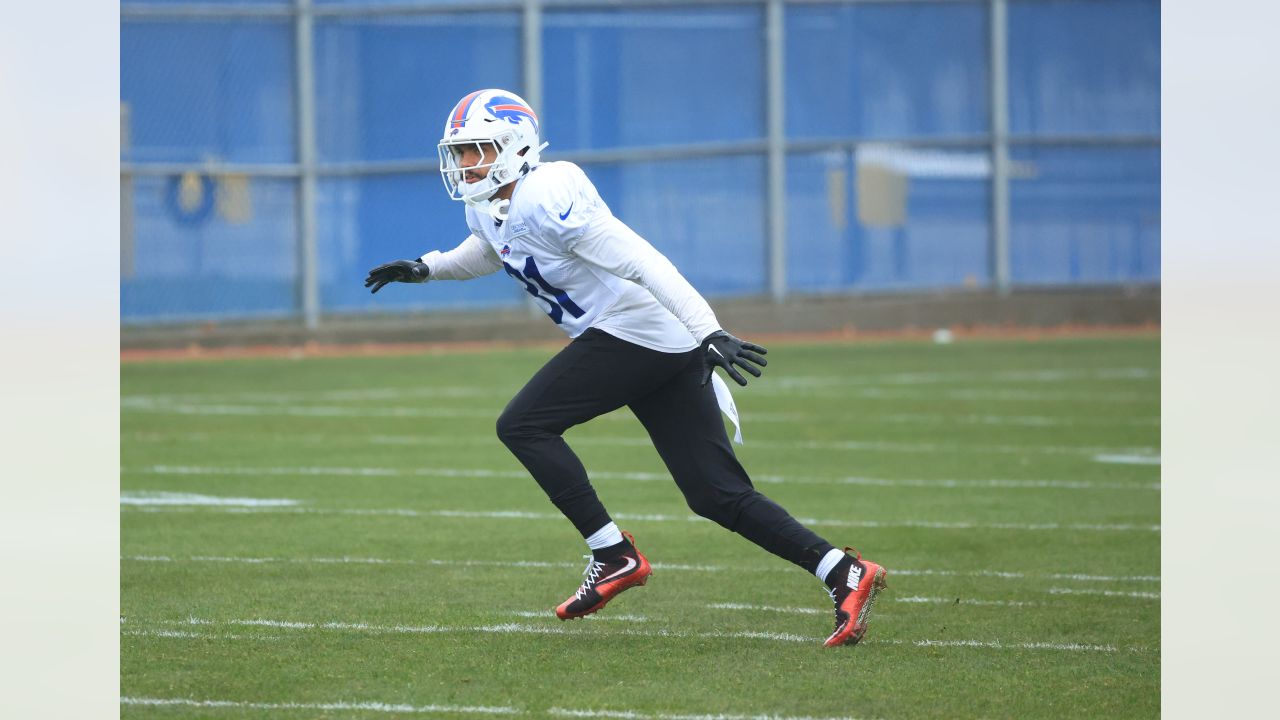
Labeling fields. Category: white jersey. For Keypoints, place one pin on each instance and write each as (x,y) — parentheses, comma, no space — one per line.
(585,267)
(582,265)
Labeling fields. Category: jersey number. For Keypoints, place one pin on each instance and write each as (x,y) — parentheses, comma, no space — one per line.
(559,300)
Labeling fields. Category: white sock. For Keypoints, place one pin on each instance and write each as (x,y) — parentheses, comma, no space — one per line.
(828,563)
(604,537)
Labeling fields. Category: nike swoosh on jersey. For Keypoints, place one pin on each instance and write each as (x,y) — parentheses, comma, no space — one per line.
(631,562)
(564,215)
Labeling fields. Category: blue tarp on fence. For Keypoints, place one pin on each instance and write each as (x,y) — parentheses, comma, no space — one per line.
(872,217)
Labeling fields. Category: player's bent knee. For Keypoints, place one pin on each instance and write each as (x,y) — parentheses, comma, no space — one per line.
(513,428)
(509,427)
(722,508)
(711,509)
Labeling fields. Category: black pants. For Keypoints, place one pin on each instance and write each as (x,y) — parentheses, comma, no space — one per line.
(598,373)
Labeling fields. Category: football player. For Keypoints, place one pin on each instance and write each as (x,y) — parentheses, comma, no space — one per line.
(642,337)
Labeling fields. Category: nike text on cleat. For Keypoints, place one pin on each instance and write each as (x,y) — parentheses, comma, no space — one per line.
(604,580)
(854,594)
(854,576)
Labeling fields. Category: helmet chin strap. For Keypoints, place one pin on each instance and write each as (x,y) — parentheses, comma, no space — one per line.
(497,209)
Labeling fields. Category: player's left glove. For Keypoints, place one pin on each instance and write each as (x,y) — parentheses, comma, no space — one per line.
(409,271)
(723,350)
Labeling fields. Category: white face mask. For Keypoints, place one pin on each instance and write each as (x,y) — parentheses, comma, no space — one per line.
(454,172)
(500,171)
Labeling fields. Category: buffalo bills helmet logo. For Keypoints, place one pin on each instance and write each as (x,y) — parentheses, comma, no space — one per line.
(511,110)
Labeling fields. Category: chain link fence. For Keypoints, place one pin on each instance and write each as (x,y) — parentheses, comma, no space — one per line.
(915,145)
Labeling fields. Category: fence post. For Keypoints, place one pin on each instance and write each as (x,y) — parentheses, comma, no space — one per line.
(1000,274)
(531,54)
(309,288)
(775,92)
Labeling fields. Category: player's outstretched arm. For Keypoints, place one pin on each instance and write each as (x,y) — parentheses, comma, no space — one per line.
(472,258)
(408,271)
(724,351)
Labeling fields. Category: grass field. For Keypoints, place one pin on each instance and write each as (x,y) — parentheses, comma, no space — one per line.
(374,551)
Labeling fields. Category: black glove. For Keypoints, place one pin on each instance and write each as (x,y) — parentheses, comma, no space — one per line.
(724,350)
(410,271)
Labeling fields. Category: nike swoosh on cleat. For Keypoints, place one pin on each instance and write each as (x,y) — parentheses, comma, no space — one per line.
(565,214)
(631,562)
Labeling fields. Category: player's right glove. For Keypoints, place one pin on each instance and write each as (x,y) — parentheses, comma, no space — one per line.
(723,350)
(408,271)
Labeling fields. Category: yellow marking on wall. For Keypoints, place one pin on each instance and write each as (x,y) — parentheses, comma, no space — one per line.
(234,201)
(838,197)
(882,196)
(190,192)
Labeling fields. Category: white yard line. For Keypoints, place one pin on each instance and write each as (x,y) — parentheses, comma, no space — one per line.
(637,476)
(1107,593)
(323,411)
(748,417)
(945,484)
(827,611)
(983,394)
(770,608)
(933,394)
(279,408)
(905,447)
(660,517)
(1046,421)
(305,396)
(473,439)
(186,634)
(320,471)
(303,410)
(634,715)
(407,709)
(547,614)
(661,566)
(1052,576)
(361,706)
(1031,421)
(174,498)
(1104,578)
(892,447)
(1128,459)
(569,629)
(1010,420)
(249,404)
(358,411)
(997,645)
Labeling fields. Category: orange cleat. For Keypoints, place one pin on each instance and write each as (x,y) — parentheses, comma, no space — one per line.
(854,593)
(604,581)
